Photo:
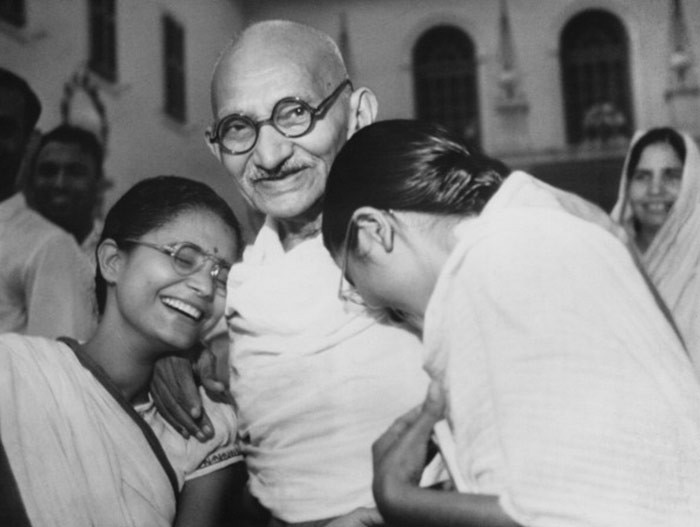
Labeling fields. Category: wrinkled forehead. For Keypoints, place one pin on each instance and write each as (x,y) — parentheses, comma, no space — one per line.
(250,81)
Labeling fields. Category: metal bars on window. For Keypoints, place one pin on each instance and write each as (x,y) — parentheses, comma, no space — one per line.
(445,76)
(595,77)
(174,69)
(102,25)
(13,12)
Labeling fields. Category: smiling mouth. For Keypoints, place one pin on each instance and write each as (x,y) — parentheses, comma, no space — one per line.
(183,308)
(658,208)
(278,177)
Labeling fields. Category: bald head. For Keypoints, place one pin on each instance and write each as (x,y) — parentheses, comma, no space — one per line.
(270,44)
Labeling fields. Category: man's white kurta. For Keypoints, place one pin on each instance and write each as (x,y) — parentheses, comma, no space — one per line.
(570,395)
(316,380)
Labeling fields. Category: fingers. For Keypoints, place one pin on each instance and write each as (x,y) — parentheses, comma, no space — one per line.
(360,517)
(169,409)
(394,432)
(219,348)
(177,397)
(207,371)
(434,404)
(369,516)
(416,425)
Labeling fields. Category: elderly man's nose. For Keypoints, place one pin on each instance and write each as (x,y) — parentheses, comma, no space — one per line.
(272,148)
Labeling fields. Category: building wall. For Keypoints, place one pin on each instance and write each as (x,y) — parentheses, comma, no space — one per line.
(143,141)
(382,35)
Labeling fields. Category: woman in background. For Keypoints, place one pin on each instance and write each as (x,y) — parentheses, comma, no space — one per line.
(567,391)
(82,436)
(658,205)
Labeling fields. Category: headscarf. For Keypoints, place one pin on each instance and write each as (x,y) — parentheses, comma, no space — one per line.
(673,258)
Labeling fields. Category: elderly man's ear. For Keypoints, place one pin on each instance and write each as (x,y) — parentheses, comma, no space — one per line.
(213,147)
(363,109)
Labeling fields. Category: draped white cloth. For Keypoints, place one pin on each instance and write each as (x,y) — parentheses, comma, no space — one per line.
(673,258)
(46,283)
(316,380)
(569,394)
(78,458)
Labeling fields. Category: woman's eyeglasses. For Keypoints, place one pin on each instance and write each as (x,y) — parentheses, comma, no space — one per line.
(188,258)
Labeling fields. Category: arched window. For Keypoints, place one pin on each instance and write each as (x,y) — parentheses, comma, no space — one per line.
(595,77)
(445,77)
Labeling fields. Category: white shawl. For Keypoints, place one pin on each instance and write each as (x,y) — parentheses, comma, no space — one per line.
(77,456)
(316,381)
(673,258)
(569,394)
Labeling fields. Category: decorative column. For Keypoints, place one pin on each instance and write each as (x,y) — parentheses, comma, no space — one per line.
(82,106)
(512,133)
(682,93)
(344,45)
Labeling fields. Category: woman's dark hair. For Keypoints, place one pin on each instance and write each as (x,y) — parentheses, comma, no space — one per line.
(406,165)
(32,110)
(153,202)
(656,135)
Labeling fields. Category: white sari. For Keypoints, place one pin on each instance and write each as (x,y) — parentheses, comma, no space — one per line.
(83,457)
(673,258)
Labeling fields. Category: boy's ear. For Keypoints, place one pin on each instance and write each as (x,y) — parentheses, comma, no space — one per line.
(363,110)
(109,258)
(374,230)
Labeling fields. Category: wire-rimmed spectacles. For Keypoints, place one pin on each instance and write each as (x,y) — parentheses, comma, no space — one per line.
(188,258)
(292,117)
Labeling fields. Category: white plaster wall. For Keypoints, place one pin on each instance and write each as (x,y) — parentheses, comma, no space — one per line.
(143,141)
(382,35)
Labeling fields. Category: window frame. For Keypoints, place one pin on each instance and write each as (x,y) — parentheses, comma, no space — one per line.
(102,39)
(595,80)
(14,13)
(174,69)
(446,80)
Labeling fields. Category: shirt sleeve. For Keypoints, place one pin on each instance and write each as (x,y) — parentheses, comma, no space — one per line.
(59,291)
(223,449)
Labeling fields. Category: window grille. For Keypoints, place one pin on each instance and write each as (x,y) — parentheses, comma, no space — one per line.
(102,23)
(595,78)
(174,69)
(445,76)
(13,12)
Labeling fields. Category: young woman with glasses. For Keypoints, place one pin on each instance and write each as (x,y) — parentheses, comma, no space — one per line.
(568,394)
(84,441)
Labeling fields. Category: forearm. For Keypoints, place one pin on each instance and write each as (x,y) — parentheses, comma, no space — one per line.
(419,507)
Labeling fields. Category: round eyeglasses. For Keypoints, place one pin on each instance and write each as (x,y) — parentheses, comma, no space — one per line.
(291,116)
(188,258)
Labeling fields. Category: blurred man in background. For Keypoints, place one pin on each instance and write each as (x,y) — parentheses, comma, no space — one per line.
(65,182)
(46,282)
